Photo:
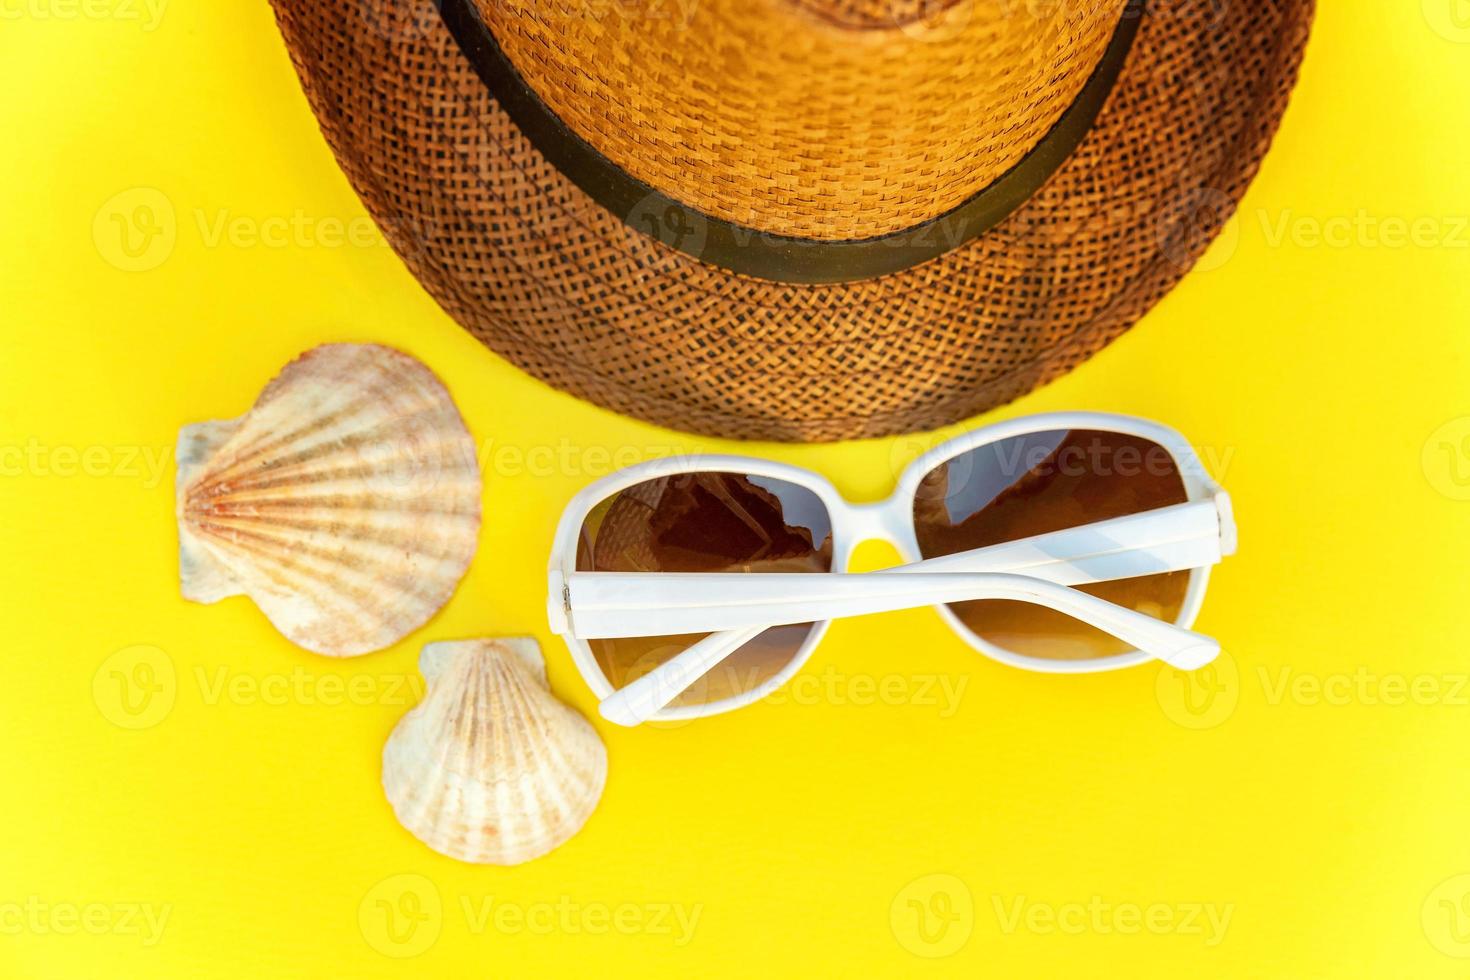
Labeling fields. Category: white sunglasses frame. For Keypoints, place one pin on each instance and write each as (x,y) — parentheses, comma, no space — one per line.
(889,520)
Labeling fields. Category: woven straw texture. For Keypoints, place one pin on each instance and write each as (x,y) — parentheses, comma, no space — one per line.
(755,112)
(541,274)
(876,14)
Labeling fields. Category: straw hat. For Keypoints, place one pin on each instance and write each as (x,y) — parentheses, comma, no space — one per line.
(798,219)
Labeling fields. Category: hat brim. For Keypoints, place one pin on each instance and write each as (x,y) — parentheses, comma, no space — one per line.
(577,296)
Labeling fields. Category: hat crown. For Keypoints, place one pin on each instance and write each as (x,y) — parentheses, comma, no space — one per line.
(825,120)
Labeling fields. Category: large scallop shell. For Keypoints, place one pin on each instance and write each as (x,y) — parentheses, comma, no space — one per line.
(346,503)
(490,767)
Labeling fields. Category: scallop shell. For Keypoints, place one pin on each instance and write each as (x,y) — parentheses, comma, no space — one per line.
(490,767)
(346,503)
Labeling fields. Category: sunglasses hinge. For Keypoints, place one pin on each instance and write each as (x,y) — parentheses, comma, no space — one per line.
(1226,512)
(558,603)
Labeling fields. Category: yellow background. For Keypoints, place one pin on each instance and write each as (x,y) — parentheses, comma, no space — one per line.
(1313,786)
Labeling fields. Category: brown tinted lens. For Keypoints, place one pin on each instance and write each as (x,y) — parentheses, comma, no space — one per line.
(706,522)
(1041,482)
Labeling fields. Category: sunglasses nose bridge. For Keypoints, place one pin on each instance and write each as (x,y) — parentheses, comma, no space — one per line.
(872,522)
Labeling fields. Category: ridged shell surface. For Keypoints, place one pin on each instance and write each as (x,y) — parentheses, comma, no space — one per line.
(346,503)
(490,767)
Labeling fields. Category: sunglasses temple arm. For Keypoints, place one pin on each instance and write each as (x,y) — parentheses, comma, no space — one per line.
(1167,539)
(1196,534)
(638,701)
(738,607)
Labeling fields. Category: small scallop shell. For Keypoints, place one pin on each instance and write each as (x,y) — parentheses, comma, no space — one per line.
(490,767)
(346,503)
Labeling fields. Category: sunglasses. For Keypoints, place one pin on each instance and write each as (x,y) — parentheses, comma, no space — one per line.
(1065,543)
